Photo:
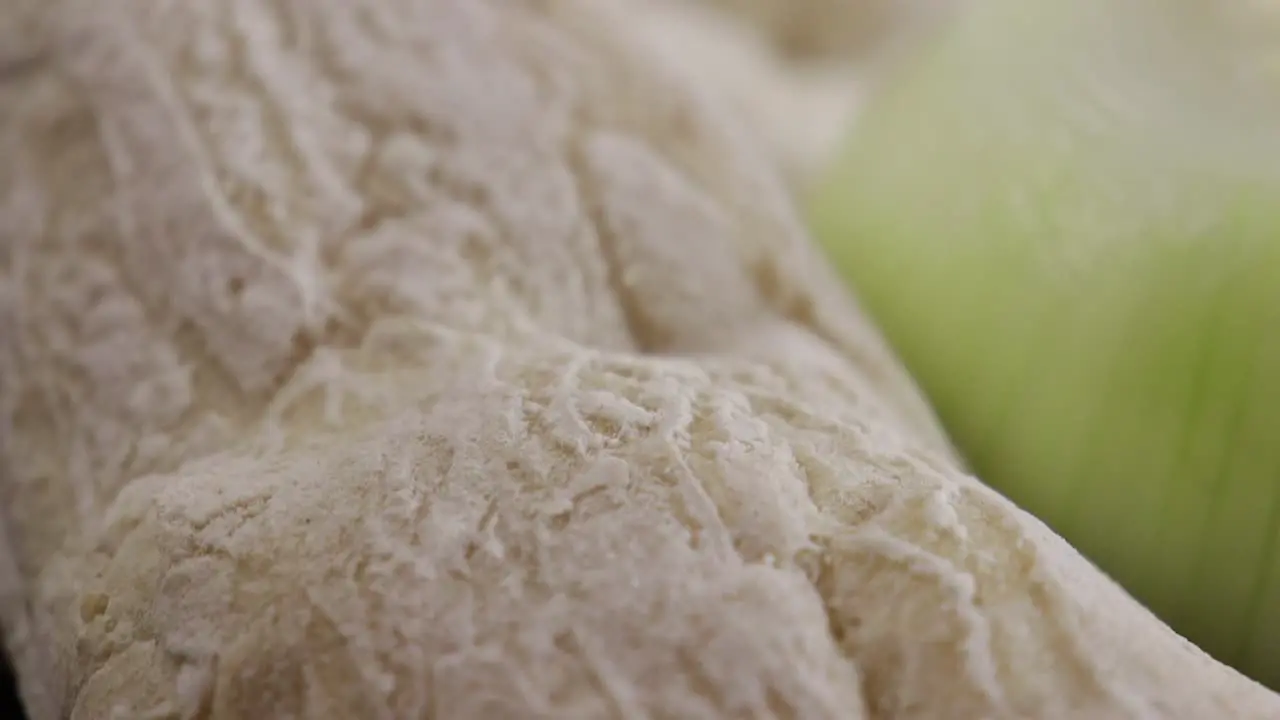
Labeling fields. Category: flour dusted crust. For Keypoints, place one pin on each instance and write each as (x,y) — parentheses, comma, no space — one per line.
(453,359)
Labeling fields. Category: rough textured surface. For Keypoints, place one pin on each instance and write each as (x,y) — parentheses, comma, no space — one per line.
(452,359)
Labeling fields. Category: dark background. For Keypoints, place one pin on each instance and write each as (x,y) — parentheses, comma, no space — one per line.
(9,706)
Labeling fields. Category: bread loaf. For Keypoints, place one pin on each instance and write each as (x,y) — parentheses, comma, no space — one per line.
(458,359)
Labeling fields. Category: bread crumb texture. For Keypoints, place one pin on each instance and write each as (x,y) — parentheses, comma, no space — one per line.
(454,359)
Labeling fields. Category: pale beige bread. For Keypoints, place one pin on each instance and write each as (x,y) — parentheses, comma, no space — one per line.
(456,359)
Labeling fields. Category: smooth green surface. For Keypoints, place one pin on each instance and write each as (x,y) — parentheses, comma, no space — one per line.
(1066,217)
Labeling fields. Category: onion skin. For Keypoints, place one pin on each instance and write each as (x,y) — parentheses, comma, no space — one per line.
(1066,218)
